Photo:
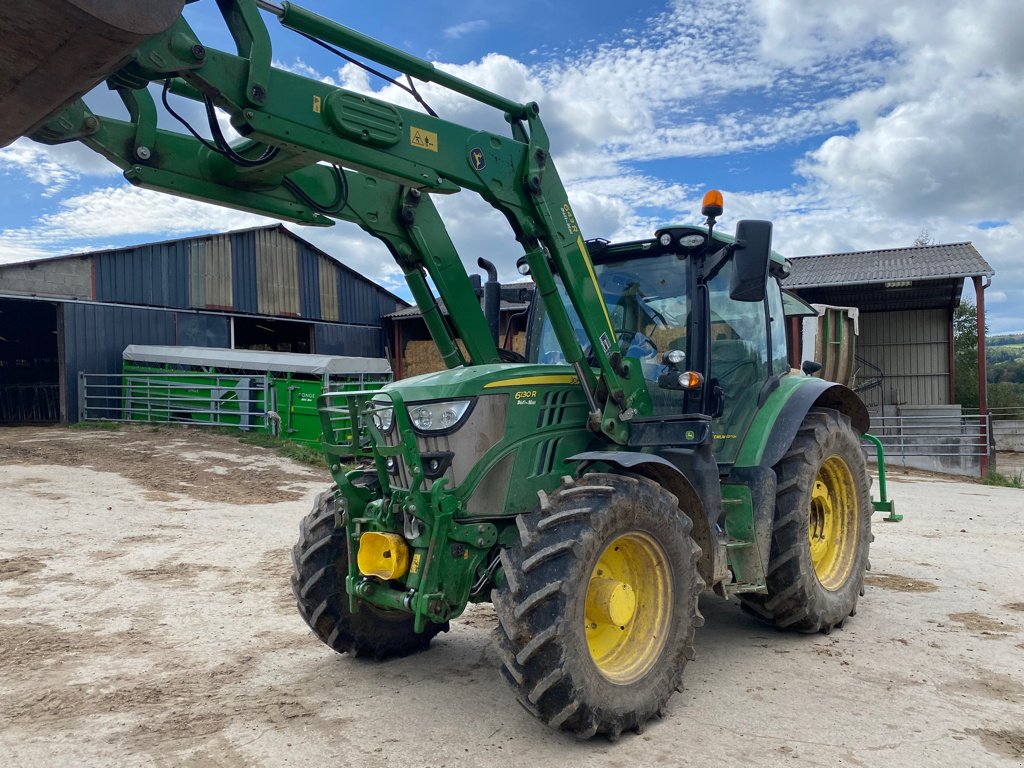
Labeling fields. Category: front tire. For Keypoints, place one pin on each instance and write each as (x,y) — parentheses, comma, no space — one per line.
(320,559)
(597,617)
(822,529)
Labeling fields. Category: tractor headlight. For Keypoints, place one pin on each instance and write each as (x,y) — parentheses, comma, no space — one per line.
(384,417)
(438,417)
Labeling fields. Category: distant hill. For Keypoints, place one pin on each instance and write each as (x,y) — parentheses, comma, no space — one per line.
(1005,340)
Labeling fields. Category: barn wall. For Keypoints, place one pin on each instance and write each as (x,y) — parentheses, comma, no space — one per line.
(351,341)
(67,278)
(260,271)
(277,274)
(151,275)
(210,273)
(95,335)
(912,349)
(149,294)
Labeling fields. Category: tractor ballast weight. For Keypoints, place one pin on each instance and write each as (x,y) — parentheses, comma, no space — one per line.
(654,442)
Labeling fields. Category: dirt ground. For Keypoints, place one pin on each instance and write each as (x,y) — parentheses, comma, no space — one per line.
(146,619)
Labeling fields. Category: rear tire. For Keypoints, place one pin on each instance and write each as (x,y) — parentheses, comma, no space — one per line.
(320,559)
(597,617)
(822,529)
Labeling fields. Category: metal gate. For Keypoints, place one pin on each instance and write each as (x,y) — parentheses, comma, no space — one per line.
(955,444)
(176,397)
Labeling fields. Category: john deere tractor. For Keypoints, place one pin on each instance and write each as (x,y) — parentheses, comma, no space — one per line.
(653,444)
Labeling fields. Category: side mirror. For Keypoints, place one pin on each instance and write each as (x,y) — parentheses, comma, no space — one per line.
(810,367)
(750,261)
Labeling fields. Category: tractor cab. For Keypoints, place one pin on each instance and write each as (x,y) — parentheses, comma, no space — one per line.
(701,316)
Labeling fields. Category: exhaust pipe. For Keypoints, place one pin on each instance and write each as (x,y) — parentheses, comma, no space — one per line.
(492,298)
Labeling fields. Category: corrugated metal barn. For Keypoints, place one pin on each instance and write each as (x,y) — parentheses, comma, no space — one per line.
(906,298)
(262,288)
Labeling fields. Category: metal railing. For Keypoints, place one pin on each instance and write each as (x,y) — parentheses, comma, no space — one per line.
(1007,413)
(965,435)
(179,397)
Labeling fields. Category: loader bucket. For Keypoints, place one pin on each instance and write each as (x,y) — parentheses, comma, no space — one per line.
(53,51)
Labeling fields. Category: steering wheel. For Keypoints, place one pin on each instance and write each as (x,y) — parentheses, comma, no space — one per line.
(638,344)
(652,312)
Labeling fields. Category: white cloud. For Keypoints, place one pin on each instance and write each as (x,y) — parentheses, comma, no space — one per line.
(907,114)
(935,135)
(52,167)
(93,220)
(456,31)
(301,68)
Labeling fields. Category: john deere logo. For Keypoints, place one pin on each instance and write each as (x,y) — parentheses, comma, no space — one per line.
(476,157)
(690,434)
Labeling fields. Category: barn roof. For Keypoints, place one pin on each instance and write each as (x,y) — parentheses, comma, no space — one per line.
(414,311)
(515,297)
(917,277)
(923,262)
(255,360)
(267,270)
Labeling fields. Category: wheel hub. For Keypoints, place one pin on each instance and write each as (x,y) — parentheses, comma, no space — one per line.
(628,607)
(610,601)
(832,523)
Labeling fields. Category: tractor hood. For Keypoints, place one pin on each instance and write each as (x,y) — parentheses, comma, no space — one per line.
(482,379)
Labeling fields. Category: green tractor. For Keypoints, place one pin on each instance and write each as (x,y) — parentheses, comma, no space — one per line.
(654,443)
(493,483)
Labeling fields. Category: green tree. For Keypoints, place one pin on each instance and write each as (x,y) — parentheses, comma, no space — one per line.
(965,354)
(1006,395)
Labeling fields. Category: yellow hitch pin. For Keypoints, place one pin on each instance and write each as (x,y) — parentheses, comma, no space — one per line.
(384,555)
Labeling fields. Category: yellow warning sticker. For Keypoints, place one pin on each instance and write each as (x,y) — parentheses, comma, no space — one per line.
(422,139)
(415,567)
(316,104)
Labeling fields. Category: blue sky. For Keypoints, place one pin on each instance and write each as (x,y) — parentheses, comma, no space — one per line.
(853,126)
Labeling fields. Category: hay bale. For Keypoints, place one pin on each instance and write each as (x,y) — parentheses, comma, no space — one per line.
(421,357)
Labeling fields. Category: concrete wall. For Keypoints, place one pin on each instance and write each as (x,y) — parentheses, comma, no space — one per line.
(66,278)
(965,464)
(1009,435)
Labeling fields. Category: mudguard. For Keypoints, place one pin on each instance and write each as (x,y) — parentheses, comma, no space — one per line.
(692,476)
(814,393)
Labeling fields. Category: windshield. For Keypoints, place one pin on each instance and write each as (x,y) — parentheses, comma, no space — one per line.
(648,305)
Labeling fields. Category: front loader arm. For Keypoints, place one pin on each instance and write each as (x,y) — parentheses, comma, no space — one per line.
(394,157)
(180,165)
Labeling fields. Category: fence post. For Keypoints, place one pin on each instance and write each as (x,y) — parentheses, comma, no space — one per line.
(82,412)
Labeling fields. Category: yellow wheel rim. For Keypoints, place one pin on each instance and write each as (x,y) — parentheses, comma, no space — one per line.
(833,523)
(628,607)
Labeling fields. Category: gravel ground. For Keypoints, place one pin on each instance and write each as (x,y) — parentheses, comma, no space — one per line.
(145,619)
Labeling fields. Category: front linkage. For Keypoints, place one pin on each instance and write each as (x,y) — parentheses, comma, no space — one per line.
(397,514)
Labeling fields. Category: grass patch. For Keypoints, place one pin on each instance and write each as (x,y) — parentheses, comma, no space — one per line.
(1015,480)
(297,452)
